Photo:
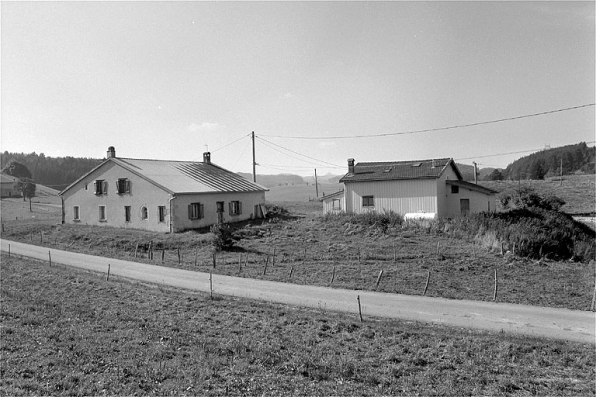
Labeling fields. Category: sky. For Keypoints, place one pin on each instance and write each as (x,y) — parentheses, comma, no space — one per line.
(317,82)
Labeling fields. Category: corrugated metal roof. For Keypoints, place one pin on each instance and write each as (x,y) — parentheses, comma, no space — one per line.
(188,176)
(472,186)
(394,170)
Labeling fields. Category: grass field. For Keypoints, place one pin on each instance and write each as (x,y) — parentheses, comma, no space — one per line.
(69,332)
(305,248)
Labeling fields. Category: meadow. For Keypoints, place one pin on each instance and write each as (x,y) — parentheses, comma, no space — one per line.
(125,338)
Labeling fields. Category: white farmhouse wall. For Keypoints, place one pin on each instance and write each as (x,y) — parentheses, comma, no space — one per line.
(443,190)
(401,196)
(479,202)
(142,194)
(334,204)
(209,200)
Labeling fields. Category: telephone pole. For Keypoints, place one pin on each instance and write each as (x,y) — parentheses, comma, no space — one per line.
(254,163)
(316,184)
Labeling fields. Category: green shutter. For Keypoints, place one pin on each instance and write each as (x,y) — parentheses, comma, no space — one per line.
(201,211)
(189,211)
(239,207)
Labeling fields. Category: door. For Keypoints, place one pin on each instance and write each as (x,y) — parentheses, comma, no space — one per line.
(220,211)
(464,205)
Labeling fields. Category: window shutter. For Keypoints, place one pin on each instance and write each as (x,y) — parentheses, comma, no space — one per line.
(239,207)
(118,187)
(95,187)
(201,211)
(105,187)
(127,186)
(189,211)
(231,207)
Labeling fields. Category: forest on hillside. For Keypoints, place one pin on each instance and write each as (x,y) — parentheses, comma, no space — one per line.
(59,172)
(570,159)
(54,172)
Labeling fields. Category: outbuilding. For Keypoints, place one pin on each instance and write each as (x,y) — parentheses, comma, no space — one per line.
(427,189)
(160,195)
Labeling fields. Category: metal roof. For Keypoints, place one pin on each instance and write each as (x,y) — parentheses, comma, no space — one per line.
(183,177)
(472,186)
(7,178)
(395,170)
(189,177)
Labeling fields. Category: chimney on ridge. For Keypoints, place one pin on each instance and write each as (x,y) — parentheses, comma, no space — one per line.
(351,166)
(111,152)
(207,158)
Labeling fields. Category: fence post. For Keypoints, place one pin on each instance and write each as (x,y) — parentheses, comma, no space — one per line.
(427,281)
(332,276)
(210,284)
(214,259)
(50,257)
(108,277)
(273,258)
(291,271)
(359,308)
(9,250)
(495,294)
(379,279)
(266,263)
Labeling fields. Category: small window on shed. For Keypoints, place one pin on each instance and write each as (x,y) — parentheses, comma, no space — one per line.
(454,189)
(368,201)
(144,213)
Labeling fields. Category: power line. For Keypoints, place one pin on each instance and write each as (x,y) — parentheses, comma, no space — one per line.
(507,153)
(229,144)
(300,154)
(436,129)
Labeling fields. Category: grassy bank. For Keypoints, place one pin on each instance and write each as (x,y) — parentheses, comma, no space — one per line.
(124,340)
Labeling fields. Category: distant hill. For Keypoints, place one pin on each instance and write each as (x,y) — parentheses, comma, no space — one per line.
(275,180)
(467,172)
(577,158)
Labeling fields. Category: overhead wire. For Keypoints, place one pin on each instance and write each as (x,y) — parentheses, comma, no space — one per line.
(434,129)
(300,154)
(231,143)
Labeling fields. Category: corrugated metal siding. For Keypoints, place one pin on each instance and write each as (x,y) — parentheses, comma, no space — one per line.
(399,196)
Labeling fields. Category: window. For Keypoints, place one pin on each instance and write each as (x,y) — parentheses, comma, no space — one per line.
(336,204)
(162,213)
(85,186)
(454,189)
(368,201)
(122,186)
(101,187)
(235,208)
(76,213)
(195,211)
(144,213)
(220,206)
(102,213)
(127,213)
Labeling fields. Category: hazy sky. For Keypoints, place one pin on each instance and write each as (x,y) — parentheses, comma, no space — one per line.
(162,80)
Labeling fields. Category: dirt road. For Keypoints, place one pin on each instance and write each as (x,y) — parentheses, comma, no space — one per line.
(520,319)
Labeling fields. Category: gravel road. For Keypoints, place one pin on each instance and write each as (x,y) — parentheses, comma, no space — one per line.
(556,323)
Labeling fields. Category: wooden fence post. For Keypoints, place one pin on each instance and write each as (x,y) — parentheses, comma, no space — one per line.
(179,256)
(379,279)
(9,250)
(266,263)
(291,271)
(108,277)
(50,257)
(136,249)
(163,254)
(427,281)
(214,259)
(359,308)
(273,258)
(495,294)
(210,284)
(332,276)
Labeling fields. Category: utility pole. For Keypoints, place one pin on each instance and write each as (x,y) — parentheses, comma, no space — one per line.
(475,172)
(254,163)
(561,179)
(316,184)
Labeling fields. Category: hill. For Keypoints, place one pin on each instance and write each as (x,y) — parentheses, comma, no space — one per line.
(569,159)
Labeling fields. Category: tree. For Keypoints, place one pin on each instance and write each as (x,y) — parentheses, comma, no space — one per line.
(16,169)
(27,188)
(537,170)
(496,175)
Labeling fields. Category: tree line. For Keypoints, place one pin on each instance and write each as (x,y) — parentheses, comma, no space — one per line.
(54,172)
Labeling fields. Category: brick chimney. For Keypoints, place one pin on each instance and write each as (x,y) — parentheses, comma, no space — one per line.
(351,166)
(207,158)
(111,152)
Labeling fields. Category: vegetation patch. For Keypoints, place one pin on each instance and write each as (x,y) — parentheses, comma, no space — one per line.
(129,339)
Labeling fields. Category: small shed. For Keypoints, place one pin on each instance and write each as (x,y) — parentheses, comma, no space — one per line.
(333,203)
(8,186)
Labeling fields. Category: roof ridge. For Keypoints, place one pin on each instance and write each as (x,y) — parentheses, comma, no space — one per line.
(404,161)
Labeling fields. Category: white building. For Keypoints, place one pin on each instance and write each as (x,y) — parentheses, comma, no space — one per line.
(425,188)
(158,195)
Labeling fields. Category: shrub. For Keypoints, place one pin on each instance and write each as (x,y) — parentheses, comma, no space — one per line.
(526,197)
(224,238)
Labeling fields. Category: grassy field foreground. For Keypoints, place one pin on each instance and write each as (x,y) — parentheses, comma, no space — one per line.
(68,332)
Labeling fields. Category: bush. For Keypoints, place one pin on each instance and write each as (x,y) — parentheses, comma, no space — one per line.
(536,233)
(382,221)
(224,238)
(526,197)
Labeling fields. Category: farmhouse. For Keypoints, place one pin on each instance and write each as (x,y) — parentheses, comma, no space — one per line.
(418,189)
(158,195)
(8,186)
